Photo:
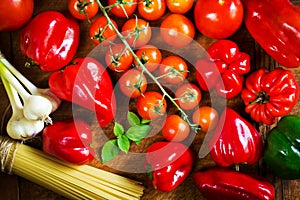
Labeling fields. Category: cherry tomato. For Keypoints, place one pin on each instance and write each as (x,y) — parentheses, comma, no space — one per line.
(151,9)
(150,56)
(218,19)
(133,83)
(188,96)
(102,33)
(151,105)
(137,32)
(177,30)
(122,8)
(179,6)
(175,129)
(207,117)
(83,9)
(173,69)
(118,58)
(15,14)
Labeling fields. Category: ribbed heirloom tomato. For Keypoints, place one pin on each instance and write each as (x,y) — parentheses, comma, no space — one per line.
(218,19)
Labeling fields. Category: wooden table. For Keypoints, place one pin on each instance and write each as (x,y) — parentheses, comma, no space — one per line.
(13,187)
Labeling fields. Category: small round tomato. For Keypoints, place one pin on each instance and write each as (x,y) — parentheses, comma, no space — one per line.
(151,9)
(207,117)
(15,14)
(177,30)
(179,6)
(102,33)
(83,9)
(137,32)
(218,19)
(118,58)
(173,69)
(133,83)
(151,105)
(188,96)
(150,56)
(123,8)
(175,129)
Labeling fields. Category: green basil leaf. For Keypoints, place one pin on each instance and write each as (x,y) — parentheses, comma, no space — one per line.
(123,143)
(137,133)
(133,119)
(145,121)
(118,129)
(109,150)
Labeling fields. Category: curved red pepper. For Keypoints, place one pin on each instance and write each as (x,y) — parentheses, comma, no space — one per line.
(169,163)
(69,140)
(275,25)
(50,40)
(225,184)
(235,141)
(223,68)
(268,95)
(88,84)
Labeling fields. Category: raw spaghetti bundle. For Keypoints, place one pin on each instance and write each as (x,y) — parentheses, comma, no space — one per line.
(71,181)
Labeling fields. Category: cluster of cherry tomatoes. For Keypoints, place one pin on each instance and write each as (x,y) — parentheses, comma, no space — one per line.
(175,29)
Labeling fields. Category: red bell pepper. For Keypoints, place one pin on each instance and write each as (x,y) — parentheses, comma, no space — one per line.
(235,141)
(86,83)
(226,184)
(223,68)
(69,140)
(269,95)
(50,40)
(275,25)
(169,164)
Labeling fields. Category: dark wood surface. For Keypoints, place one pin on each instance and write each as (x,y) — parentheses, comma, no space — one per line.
(16,188)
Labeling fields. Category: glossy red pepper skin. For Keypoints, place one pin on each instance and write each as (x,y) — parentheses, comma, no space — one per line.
(86,83)
(50,40)
(270,94)
(223,69)
(226,184)
(69,140)
(235,141)
(169,163)
(275,25)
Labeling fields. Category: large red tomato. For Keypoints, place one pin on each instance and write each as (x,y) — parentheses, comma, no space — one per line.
(218,19)
(14,14)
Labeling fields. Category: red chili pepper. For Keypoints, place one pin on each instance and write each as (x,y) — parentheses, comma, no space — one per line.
(268,95)
(50,40)
(275,26)
(235,141)
(225,184)
(223,68)
(88,84)
(169,164)
(69,140)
